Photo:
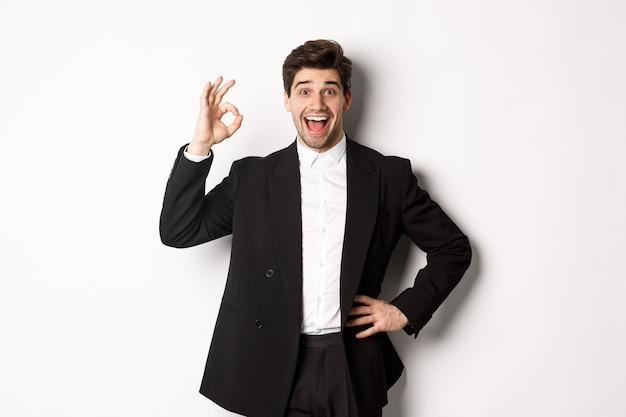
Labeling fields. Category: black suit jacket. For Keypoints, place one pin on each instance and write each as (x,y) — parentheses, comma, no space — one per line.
(254,350)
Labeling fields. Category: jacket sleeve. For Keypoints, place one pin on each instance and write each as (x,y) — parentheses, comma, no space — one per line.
(448,253)
(188,216)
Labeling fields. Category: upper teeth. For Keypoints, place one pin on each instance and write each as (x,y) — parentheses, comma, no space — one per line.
(316,118)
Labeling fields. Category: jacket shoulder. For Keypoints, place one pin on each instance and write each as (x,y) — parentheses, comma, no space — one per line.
(380,160)
(270,160)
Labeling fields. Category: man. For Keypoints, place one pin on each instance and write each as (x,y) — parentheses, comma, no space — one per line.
(300,331)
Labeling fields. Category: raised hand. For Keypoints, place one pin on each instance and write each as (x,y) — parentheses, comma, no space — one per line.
(209,128)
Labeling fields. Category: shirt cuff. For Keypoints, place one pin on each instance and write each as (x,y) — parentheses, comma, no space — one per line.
(196,158)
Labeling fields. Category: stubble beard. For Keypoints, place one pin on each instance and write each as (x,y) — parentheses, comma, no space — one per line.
(325,142)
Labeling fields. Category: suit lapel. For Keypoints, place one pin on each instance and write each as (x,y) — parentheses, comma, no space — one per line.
(286,223)
(362,209)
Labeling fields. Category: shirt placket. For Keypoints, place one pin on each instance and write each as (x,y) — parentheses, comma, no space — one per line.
(323,219)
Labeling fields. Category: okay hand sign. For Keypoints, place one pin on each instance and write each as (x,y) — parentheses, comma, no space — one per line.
(210,129)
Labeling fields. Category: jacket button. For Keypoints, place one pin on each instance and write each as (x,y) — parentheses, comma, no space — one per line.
(258,323)
(269,273)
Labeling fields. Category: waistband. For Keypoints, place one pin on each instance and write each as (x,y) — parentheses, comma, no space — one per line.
(324,340)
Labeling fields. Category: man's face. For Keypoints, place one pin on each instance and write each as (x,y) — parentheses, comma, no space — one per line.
(317,104)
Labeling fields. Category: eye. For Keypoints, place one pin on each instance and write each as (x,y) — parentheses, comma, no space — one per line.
(303,92)
(329,92)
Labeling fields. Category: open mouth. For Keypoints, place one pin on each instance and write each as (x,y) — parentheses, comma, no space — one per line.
(316,124)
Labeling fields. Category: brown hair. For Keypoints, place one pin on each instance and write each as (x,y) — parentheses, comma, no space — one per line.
(319,54)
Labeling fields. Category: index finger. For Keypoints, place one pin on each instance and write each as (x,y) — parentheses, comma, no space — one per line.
(364,299)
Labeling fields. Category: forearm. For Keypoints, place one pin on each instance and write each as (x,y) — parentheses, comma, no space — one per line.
(188,217)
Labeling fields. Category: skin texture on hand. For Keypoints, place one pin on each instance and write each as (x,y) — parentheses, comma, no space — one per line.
(210,129)
(383,316)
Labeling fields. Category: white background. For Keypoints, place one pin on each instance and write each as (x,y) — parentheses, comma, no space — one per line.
(513,114)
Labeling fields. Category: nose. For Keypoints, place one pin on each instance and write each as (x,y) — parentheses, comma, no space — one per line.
(318,102)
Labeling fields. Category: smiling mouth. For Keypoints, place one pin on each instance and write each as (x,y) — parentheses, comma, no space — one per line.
(316,124)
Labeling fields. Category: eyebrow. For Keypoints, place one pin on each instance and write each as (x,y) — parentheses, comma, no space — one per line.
(335,83)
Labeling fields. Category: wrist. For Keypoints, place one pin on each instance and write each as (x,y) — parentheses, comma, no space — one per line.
(200,149)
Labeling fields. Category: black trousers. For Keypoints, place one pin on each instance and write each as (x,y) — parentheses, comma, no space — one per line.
(322,386)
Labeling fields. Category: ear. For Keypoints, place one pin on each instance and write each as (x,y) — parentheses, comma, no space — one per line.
(348,98)
(287,102)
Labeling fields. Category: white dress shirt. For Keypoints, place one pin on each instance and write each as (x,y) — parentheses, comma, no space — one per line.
(324,198)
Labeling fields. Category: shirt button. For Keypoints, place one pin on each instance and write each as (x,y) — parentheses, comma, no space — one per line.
(258,323)
(269,273)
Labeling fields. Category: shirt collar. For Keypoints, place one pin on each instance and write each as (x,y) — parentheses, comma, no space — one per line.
(308,157)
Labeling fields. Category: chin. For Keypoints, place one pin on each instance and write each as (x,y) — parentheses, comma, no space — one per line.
(316,143)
